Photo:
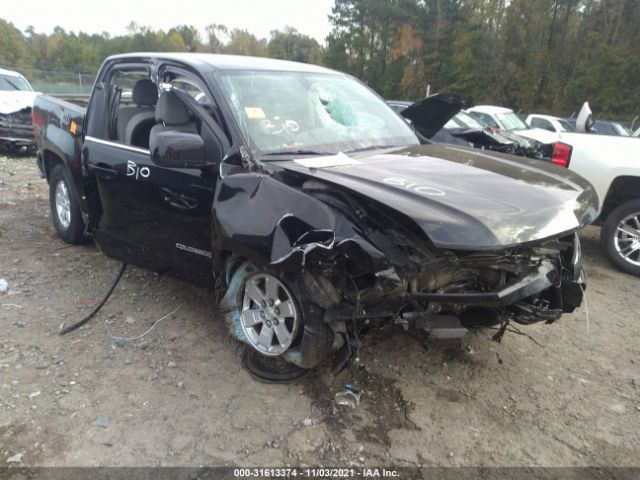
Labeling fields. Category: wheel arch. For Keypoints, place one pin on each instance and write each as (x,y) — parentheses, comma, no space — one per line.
(49,160)
(622,189)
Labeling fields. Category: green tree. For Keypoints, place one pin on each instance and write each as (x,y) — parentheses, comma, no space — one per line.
(215,35)
(292,45)
(241,42)
(190,37)
(14,49)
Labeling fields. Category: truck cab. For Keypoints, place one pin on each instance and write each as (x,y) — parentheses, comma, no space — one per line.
(121,193)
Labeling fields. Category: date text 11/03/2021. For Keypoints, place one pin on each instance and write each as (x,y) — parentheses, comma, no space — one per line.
(316,472)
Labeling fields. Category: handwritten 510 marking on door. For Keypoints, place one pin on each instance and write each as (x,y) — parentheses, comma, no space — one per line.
(133,170)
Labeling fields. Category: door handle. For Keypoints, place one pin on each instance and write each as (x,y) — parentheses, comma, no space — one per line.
(104,172)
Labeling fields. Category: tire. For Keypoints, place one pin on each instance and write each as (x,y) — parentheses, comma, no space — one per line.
(623,247)
(65,211)
(281,329)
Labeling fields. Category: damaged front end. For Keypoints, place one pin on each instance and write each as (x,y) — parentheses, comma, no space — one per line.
(363,263)
(16,130)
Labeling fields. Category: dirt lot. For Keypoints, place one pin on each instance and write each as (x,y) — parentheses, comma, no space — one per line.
(179,396)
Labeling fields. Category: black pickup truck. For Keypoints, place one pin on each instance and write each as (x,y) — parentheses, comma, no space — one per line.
(305,200)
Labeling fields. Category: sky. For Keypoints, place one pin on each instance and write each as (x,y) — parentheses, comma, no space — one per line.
(257,16)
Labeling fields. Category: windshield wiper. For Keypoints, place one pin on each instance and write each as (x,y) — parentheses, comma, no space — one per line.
(297,152)
(371,147)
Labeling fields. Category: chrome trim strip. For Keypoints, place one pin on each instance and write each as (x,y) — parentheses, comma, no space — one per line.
(117,145)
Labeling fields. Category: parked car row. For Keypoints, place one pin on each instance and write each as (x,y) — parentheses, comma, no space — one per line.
(459,126)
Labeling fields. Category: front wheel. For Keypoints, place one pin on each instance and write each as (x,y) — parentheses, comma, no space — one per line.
(281,328)
(65,211)
(620,237)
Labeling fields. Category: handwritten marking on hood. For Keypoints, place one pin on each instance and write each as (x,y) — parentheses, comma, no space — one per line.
(415,187)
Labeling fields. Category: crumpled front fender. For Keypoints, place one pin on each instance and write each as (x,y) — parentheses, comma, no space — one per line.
(270,223)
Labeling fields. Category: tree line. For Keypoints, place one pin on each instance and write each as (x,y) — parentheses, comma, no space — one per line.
(533,55)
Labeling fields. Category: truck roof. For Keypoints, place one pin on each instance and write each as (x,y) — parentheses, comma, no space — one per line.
(218,61)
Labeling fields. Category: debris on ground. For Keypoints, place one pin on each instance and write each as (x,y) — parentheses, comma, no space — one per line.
(276,443)
(349,397)
(4,285)
(17,458)
(101,421)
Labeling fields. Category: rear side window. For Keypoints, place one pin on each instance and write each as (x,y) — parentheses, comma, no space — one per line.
(131,117)
(124,81)
(542,123)
(604,128)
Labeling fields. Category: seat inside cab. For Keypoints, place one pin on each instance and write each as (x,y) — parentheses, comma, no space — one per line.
(136,119)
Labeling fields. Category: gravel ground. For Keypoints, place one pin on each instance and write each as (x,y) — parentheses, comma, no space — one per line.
(565,395)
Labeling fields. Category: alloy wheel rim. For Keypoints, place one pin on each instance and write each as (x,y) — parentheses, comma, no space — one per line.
(63,205)
(627,239)
(269,317)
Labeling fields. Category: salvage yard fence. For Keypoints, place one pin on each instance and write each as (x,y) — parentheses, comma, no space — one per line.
(69,83)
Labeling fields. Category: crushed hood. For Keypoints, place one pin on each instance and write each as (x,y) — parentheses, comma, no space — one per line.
(432,113)
(464,198)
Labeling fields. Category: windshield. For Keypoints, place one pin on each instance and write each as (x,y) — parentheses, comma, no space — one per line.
(510,122)
(11,83)
(289,112)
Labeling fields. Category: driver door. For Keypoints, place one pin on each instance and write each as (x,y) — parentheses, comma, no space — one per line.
(153,216)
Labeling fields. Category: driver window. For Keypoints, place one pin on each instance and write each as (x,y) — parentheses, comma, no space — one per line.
(192,89)
(175,113)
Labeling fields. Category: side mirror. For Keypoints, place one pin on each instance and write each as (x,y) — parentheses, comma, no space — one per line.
(584,122)
(174,149)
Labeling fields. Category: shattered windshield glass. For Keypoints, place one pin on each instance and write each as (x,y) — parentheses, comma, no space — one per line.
(296,112)
(11,83)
